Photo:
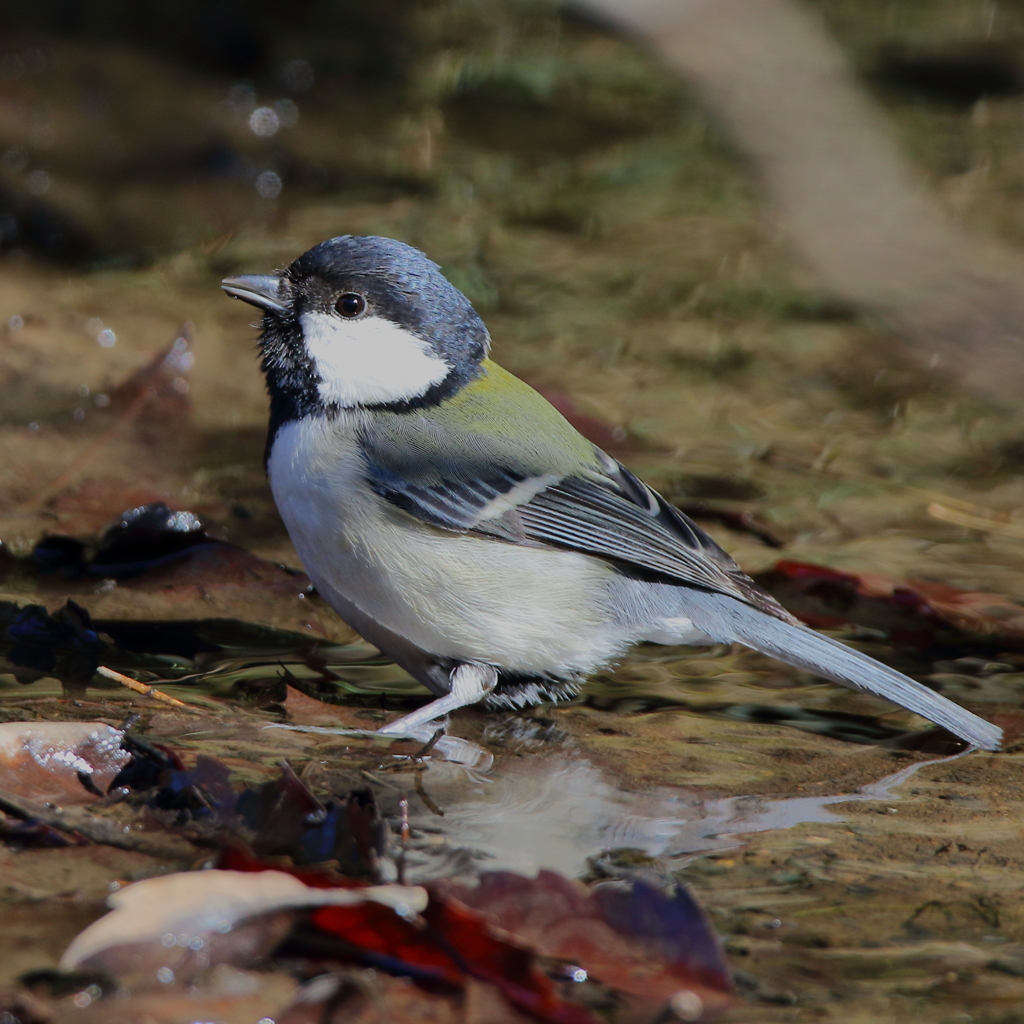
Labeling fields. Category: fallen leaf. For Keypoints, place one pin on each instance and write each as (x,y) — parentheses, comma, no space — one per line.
(155,398)
(168,556)
(88,505)
(145,547)
(281,818)
(59,762)
(225,995)
(450,945)
(153,401)
(201,792)
(369,997)
(612,438)
(646,943)
(30,832)
(34,643)
(304,710)
(912,613)
(187,922)
(145,537)
(285,818)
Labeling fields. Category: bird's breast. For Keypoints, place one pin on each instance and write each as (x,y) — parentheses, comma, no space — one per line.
(455,595)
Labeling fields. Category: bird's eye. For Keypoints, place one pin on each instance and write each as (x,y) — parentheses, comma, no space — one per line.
(350,304)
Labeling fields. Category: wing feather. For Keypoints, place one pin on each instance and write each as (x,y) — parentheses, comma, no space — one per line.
(604,511)
(585,516)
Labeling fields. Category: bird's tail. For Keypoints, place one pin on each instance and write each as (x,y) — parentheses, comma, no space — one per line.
(806,649)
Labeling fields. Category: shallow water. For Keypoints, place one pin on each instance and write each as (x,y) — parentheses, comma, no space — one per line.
(561,814)
(638,280)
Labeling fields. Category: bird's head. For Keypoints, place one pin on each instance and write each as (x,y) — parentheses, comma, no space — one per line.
(362,322)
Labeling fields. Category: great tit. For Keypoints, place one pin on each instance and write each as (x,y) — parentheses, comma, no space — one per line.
(457,521)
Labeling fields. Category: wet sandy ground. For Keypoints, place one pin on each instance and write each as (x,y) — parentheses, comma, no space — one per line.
(847,883)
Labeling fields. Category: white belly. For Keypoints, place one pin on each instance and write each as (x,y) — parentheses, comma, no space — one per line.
(524,609)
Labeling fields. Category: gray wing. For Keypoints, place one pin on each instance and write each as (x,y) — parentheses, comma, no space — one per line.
(603,510)
(608,513)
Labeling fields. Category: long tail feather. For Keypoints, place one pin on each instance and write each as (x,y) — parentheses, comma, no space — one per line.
(806,649)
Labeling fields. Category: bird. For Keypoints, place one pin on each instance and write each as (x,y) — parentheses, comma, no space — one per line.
(458,522)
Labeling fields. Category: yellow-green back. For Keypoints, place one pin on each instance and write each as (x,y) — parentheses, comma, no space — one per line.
(496,420)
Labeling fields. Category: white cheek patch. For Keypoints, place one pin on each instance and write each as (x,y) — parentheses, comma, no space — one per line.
(369,361)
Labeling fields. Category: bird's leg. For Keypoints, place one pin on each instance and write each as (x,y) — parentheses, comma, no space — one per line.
(470,682)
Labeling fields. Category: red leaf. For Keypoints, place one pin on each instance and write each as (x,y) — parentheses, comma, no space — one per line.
(451,944)
(615,439)
(235,856)
(914,613)
(636,939)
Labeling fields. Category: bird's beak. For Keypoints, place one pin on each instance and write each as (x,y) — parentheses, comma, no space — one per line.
(263,290)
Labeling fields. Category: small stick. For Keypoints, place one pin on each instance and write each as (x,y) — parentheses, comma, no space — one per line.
(425,796)
(975,522)
(374,779)
(429,745)
(143,688)
(403,806)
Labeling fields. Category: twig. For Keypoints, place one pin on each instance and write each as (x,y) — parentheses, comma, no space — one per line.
(429,745)
(143,688)
(377,781)
(403,806)
(975,522)
(425,796)
(76,821)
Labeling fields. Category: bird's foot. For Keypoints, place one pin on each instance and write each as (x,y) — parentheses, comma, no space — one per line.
(470,683)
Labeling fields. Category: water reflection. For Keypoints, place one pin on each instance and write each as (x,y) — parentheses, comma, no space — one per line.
(557,813)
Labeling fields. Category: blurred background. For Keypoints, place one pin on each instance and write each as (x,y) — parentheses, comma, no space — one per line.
(766,252)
